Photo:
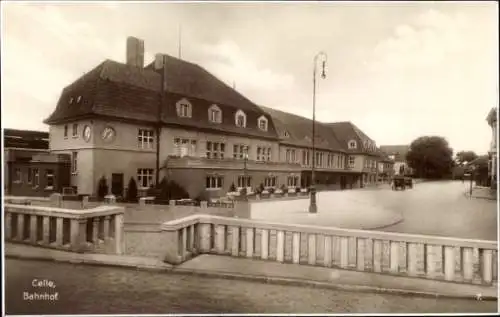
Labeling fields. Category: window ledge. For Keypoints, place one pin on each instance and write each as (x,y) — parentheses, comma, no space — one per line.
(74,173)
(212,189)
(49,188)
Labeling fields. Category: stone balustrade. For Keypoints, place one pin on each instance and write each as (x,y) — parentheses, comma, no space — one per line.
(431,257)
(91,230)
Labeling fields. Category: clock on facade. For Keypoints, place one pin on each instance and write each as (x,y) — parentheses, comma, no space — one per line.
(87,133)
(108,134)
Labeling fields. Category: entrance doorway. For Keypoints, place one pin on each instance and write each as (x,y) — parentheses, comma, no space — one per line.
(343,182)
(117,184)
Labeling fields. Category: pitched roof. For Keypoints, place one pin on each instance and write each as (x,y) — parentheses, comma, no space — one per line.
(346,131)
(25,139)
(399,151)
(297,130)
(123,91)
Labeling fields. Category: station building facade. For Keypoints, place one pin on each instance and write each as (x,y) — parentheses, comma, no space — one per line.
(111,120)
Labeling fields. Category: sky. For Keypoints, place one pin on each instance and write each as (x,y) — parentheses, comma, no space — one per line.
(397,70)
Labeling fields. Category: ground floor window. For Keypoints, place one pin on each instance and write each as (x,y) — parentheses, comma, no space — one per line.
(17,175)
(49,174)
(29,178)
(244,181)
(293,181)
(145,177)
(271,181)
(214,182)
(36,177)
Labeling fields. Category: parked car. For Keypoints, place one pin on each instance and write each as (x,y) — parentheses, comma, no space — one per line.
(398,182)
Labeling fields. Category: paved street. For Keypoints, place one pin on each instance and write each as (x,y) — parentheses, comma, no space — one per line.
(98,290)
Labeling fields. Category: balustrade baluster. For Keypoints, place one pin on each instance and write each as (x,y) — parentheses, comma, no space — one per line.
(449,263)
(95,230)
(280,246)
(235,245)
(20,227)
(360,254)
(487,266)
(377,255)
(467,264)
(33,229)
(296,247)
(59,231)
(394,256)
(430,263)
(344,252)
(311,249)
(8,225)
(250,242)
(264,244)
(412,259)
(327,256)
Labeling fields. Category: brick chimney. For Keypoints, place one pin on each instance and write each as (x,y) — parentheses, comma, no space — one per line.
(135,52)
(158,61)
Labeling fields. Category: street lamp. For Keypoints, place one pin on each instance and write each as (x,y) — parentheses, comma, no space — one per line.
(245,177)
(312,207)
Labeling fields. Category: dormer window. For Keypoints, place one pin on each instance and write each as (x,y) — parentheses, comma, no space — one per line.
(71,100)
(240,119)
(262,122)
(214,114)
(78,99)
(352,144)
(286,134)
(184,108)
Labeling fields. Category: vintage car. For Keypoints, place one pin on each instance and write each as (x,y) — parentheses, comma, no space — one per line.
(398,182)
(409,182)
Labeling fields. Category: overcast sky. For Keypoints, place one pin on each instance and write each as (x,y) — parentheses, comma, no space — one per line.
(396,70)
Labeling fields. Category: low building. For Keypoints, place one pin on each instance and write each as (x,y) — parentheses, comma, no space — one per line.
(30,170)
(492,153)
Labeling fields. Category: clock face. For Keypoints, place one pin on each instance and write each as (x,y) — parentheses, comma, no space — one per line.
(108,134)
(87,133)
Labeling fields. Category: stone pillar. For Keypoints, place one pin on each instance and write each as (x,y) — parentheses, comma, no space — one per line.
(119,239)
(204,236)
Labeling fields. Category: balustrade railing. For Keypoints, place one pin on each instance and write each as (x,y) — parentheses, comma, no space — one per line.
(431,257)
(97,230)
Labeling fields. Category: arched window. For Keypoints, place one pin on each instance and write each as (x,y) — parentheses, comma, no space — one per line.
(262,123)
(214,114)
(240,119)
(184,108)
(352,144)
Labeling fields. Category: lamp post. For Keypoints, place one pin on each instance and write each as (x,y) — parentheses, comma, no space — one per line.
(471,180)
(245,177)
(312,206)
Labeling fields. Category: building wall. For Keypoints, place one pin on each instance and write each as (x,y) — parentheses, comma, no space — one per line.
(26,187)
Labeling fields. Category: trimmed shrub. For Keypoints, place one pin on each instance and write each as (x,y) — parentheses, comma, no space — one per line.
(232,188)
(102,188)
(284,189)
(132,191)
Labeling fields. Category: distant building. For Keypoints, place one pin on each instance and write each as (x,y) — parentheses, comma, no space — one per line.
(397,153)
(492,153)
(30,170)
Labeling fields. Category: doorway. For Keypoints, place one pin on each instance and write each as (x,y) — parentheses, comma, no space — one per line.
(117,184)
(343,182)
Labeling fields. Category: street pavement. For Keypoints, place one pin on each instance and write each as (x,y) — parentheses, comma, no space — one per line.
(102,290)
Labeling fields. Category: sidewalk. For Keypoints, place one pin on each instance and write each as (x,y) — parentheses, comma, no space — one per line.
(269,272)
(482,193)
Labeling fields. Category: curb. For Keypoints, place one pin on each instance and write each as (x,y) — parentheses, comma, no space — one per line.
(254,278)
(386,226)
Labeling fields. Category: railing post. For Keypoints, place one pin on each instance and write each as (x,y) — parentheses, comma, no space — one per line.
(280,246)
(250,240)
(377,256)
(449,263)
(78,233)
(264,244)
(33,229)
(119,240)
(487,265)
(220,239)
(204,236)
(311,249)
(394,256)
(235,245)
(296,247)
(46,230)
(327,256)
(467,264)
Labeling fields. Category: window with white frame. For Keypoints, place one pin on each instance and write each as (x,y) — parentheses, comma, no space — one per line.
(215,150)
(240,119)
(290,156)
(244,181)
(184,108)
(17,176)
(352,144)
(305,157)
(352,161)
(29,177)
(75,130)
(145,138)
(214,182)
(271,181)
(36,177)
(319,158)
(145,177)
(292,181)
(65,131)
(74,162)
(239,151)
(49,175)
(214,114)
(184,147)
(262,122)
(263,153)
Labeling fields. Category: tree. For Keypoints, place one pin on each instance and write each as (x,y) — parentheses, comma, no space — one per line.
(132,190)
(430,157)
(232,188)
(464,157)
(102,188)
